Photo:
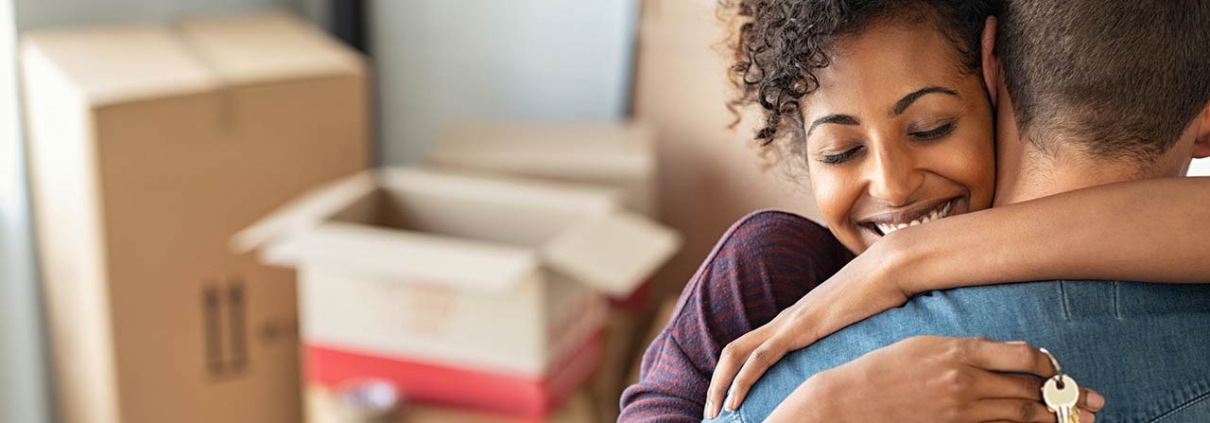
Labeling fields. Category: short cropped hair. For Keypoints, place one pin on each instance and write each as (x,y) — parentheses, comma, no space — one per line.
(1119,78)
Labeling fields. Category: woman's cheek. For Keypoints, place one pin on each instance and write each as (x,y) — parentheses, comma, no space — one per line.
(970,162)
(979,166)
(835,195)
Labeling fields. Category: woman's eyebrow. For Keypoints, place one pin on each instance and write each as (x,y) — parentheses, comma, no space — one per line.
(907,100)
(836,119)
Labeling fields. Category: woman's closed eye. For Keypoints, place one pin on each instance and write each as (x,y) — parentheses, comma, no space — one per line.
(935,133)
(841,157)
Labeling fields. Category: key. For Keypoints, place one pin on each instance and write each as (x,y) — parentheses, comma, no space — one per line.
(1061,393)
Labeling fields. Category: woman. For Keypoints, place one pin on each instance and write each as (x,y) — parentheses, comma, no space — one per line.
(886,102)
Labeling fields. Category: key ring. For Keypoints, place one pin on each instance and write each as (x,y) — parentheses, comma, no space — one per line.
(1054,362)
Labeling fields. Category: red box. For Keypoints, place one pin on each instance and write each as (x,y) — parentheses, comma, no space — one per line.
(513,395)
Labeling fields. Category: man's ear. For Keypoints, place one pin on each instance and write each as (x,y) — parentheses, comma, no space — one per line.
(990,60)
(1201,142)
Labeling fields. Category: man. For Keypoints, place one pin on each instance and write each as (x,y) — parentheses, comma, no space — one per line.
(1062,125)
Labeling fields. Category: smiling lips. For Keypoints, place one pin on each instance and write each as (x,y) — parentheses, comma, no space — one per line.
(940,212)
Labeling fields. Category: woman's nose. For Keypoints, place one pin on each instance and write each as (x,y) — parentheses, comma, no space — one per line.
(894,177)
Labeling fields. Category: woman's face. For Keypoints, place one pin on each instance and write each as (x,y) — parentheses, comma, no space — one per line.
(897,135)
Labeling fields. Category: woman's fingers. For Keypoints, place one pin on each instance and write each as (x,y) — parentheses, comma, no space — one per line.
(1010,410)
(1018,357)
(1015,357)
(991,385)
(1091,400)
(762,358)
(729,363)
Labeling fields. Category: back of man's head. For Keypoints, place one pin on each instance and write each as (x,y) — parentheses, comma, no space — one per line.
(1114,79)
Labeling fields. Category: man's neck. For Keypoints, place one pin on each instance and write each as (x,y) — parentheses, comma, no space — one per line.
(1028,173)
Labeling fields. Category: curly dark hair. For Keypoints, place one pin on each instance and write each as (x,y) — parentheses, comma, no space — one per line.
(777,45)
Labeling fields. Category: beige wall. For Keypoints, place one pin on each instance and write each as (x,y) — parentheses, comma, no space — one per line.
(512,60)
(23,389)
(709,176)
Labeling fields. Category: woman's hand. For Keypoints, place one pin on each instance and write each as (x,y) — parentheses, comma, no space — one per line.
(863,288)
(933,379)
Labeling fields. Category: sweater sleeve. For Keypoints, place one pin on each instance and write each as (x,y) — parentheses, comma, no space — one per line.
(762,265)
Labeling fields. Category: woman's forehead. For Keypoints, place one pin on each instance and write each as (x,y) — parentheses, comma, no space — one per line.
(878,67)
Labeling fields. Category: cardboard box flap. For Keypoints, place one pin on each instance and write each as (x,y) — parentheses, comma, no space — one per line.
(406,256)
(593,151)
(501,189)
(615,253)
(111,65)
(266,47)
(305,212)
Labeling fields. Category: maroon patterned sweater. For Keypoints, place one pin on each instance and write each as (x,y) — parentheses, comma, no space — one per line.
(762,265)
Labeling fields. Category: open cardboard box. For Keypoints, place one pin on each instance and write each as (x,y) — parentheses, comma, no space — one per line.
(485,274)
(618,156)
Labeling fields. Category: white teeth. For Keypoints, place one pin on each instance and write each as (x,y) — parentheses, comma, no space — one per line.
(887,228)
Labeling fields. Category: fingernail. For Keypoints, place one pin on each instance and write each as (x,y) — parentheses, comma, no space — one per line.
(708,412)
(1016,342)
(731,406)
(1095,400)
(1086,417)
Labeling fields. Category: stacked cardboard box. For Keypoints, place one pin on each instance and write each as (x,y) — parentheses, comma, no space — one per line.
(619,156)
(149,148)
(464,290)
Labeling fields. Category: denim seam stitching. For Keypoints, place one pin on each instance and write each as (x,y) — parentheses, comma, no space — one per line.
(1117,310)
(739,417)
(1192,402)
(1063,300)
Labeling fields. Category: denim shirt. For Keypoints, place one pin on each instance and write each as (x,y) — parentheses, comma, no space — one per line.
(1144,346)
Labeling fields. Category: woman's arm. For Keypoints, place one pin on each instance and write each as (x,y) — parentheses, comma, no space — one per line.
(931,379)
(1153,230)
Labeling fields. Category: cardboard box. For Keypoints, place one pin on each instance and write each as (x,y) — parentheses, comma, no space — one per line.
(484,274)
(616,155)
(149,147)
(323,407)
(620,156)
(709,175)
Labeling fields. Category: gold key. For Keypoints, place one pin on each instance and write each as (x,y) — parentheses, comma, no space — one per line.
(1061,393)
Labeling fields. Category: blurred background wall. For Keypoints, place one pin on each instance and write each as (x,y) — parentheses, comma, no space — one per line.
(441,62)
(23,390)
